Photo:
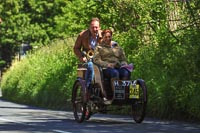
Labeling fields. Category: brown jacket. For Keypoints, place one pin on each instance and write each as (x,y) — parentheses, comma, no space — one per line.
(83,42)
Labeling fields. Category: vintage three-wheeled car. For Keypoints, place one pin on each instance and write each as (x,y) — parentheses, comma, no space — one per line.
(87,102)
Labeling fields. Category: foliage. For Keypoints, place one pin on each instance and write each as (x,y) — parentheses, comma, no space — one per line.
(44,77)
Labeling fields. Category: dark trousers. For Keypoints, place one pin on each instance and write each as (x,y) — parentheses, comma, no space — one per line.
(119,73)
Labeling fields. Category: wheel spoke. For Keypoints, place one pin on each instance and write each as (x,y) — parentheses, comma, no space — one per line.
(78,101)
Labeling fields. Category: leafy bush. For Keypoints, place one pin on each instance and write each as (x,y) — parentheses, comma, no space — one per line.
(44,77)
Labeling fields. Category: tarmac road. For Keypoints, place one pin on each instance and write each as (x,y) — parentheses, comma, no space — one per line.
(17,118)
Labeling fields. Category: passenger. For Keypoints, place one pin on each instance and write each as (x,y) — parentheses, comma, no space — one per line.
(111,57)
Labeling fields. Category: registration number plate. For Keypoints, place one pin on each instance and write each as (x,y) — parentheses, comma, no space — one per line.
(120,87)
(134,91)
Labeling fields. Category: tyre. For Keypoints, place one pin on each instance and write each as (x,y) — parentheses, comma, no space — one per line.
(79,106)
(139,105)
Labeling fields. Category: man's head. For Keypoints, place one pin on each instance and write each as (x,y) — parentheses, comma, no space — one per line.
(94,26)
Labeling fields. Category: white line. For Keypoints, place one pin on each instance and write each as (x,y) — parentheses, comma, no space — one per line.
(7,120)
(60,131)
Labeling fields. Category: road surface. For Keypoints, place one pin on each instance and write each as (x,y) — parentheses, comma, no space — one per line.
(17,118)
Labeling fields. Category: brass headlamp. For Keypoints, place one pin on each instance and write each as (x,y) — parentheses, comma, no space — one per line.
(90,54)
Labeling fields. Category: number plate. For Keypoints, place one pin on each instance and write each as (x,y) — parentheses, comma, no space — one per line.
(119,92)
(134,91)
(120,87)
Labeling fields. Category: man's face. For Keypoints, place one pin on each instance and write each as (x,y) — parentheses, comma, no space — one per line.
(94,27)
(107,38)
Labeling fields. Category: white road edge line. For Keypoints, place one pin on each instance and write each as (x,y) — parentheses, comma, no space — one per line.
(60,131)
(7,120)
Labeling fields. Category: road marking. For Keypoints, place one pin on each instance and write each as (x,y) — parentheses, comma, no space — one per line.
(7,120)
(60,131)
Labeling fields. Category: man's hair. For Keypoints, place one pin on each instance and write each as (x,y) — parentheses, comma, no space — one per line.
(94,19)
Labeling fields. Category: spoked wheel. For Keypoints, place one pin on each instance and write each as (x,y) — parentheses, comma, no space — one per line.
(139,105)
(79,106)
